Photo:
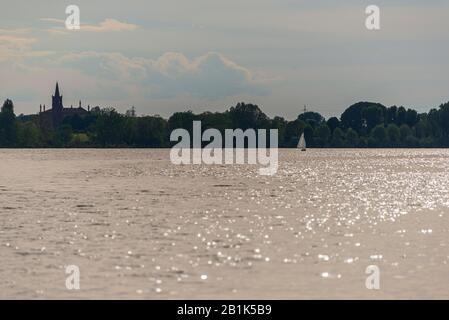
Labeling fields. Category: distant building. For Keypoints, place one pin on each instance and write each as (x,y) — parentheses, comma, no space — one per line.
(53,117)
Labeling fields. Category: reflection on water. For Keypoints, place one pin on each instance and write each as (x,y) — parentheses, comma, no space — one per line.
(140,227)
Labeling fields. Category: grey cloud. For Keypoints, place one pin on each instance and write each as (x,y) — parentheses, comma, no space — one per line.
(210,76)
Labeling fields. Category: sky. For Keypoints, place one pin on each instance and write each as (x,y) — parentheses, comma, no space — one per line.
(176,55)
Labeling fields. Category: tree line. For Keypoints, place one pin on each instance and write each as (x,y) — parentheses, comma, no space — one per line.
(362,125)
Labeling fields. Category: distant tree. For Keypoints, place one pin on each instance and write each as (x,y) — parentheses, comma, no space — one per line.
(8,106)
(373,115)
(76,122)
(405,132)
(333,123)
(363,142)
(337,138)
(308,135)
(379,135)
(443,117)
(354,117)
(313,118)
(393,134)
(109,128)
(391,115)
(151,132)
(280,124)
(412,142)
(293,131)
(371,142)
(131,112)
(323,134)
(79,140)
(401,116)
(435,124)
(63,135)
(129,130)
(182,120)
(28,135)
(411,117)
(422,129)
(245,116)
(95,110)
(217,120)
(426,142)
(8,126)
(352,138)
(364,124)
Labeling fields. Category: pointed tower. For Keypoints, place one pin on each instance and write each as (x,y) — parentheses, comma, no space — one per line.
(57,99)
(57,107)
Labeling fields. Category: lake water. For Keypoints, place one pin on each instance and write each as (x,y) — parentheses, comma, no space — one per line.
(139,227)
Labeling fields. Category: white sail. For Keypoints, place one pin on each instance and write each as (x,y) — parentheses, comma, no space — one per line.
(302,143)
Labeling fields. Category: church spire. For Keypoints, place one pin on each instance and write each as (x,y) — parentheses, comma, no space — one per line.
(57,90)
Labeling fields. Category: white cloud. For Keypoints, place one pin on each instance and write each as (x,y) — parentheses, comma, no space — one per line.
(108,25)
(211,76)
(13,44)
(59,21)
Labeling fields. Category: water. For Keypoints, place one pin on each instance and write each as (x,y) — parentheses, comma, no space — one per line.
(139,227)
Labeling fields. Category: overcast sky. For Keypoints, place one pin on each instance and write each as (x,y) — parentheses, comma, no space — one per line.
(173,55)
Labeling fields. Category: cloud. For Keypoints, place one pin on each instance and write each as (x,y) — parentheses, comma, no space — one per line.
(108,65)
(108,25)
(15,31)
(13,44)
(17,53)
(60,21)
(212,75)
(16,42)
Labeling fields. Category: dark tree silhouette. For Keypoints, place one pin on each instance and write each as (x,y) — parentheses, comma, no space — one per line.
(364,124)
(8,127)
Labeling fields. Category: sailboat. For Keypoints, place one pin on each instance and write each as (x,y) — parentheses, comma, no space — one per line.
(302,143)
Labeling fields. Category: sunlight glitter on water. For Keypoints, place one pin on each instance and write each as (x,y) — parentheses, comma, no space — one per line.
(142,227)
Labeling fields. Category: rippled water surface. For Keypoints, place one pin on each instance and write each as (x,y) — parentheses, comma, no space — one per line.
(139,227)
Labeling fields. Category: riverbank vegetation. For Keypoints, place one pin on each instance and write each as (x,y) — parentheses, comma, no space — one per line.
(362,125)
